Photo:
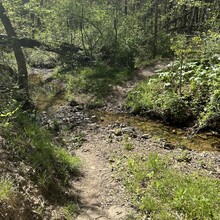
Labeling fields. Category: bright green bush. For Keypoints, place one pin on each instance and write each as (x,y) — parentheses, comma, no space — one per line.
(152,97)
(6,188)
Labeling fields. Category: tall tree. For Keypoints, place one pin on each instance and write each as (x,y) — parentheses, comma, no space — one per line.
(20,59)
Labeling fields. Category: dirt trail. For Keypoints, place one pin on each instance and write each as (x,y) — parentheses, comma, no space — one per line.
(102,197)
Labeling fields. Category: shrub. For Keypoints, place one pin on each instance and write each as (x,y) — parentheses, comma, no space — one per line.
(153,97)
(181,94)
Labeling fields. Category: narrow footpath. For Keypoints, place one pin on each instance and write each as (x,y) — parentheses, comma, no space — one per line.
(101,196)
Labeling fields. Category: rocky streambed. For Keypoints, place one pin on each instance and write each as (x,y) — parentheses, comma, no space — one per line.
(201,151)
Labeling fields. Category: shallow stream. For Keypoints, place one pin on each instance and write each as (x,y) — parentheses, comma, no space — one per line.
(158,131)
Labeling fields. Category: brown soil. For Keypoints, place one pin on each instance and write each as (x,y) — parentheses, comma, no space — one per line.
(101,196)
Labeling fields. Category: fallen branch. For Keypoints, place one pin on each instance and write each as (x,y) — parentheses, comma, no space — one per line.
(31,43)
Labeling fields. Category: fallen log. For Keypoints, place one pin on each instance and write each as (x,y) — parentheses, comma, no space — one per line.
(32,43)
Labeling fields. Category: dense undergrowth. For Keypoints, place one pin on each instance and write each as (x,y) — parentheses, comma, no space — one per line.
(159,191)
(199,98)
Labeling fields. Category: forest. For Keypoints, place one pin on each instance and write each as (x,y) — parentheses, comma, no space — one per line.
(110,109)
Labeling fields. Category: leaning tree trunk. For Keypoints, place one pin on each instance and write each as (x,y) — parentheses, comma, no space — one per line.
(21,62)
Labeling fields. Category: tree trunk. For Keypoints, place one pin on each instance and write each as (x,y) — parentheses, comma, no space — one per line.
(82,29)
(21,62)
(156,2)
(126,7)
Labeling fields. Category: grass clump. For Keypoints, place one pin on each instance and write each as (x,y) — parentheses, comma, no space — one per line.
(6,188)
(127,143)
(64,157)
(161,192)
(70,210)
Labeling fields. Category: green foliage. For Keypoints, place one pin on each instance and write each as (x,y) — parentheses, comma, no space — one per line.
(188,88)
(163,193)
(6,188)
(114,31)
(153,97)
(33,142)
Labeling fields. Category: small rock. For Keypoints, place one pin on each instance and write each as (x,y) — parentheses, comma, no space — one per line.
(103,218)
(117,212)
(94,213)
(127,130)
(93,117)
(83,216)
(182,147)
(2,141)
(145,136)
(73,103)
(79,107)
(174,131)
(168,146)
(184,159)
(117,132)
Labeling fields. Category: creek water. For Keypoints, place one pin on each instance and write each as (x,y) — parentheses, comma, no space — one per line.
(200,142)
